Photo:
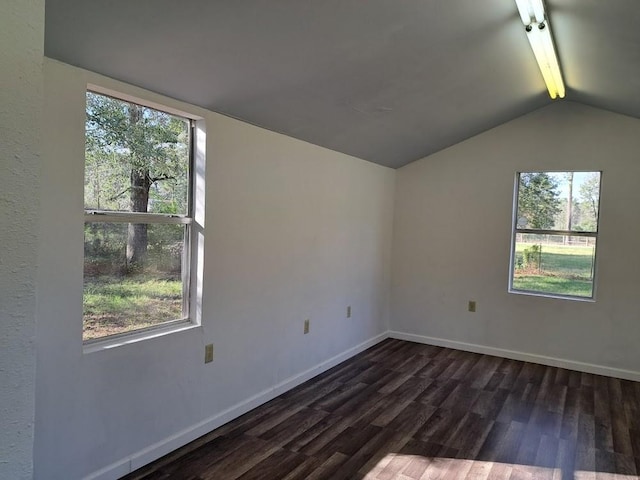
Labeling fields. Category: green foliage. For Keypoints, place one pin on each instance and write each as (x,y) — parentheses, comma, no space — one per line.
(123,138)
(590,197)
(137,160)
(105,249)
(538,200)
(531,256)
(165,247)
(581,202)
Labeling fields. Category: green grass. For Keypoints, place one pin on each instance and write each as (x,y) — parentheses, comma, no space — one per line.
(553,285)
(564,270)
(114,304)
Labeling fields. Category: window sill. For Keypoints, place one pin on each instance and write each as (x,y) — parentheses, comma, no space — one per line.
(135,337)
(554,296)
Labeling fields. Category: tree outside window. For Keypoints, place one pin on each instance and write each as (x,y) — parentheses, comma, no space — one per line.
(137,217)
(555,233)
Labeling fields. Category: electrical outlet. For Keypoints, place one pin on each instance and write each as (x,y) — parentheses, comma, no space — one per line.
(349,311)
(306,326)
(208,353)
(472,305)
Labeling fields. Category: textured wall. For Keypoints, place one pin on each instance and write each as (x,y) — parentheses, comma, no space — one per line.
(21,55)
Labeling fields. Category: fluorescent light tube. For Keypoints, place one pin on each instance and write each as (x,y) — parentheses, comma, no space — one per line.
(538,10)
(547,46)
(537,45)
(523,9)
(539,35)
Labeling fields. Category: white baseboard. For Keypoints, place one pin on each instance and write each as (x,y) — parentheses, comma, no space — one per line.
(153,452)
(515,355)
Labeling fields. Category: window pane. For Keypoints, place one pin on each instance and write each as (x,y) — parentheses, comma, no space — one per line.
(554,264)
(132,276)
(558,201)
(136,158)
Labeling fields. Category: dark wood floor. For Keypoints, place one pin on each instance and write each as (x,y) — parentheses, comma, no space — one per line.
(402,410)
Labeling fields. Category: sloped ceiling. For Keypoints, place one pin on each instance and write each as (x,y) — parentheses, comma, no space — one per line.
(389,81)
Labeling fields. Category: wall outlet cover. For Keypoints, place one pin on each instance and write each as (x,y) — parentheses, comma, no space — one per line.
(208,353)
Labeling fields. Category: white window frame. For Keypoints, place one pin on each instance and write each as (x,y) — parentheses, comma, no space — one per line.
(193,220)
(573,233)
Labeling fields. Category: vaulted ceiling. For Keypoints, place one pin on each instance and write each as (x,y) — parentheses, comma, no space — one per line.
(389,81)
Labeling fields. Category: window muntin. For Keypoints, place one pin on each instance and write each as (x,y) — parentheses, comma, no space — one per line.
(137,217)
(555,233)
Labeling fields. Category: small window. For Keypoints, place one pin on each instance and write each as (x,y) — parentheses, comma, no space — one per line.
(555,233)
(137,199)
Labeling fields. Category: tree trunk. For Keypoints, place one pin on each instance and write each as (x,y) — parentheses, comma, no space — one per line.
(570,202)
(138,201)
(569,205)
(137,233)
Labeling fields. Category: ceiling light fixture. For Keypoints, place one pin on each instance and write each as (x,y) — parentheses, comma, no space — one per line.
(539,34)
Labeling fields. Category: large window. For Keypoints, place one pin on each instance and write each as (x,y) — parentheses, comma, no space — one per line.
(555,233)
(137,198)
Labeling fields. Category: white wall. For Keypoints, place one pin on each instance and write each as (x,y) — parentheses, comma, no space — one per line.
(21,49)
(292,231)
(452,231)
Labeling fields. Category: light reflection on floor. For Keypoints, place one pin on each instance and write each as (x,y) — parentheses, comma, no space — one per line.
(395,466)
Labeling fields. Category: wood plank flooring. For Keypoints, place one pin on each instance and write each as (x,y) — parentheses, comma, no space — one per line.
(407,411)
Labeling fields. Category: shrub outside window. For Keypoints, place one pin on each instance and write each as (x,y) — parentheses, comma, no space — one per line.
(555,232)
(137,199)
